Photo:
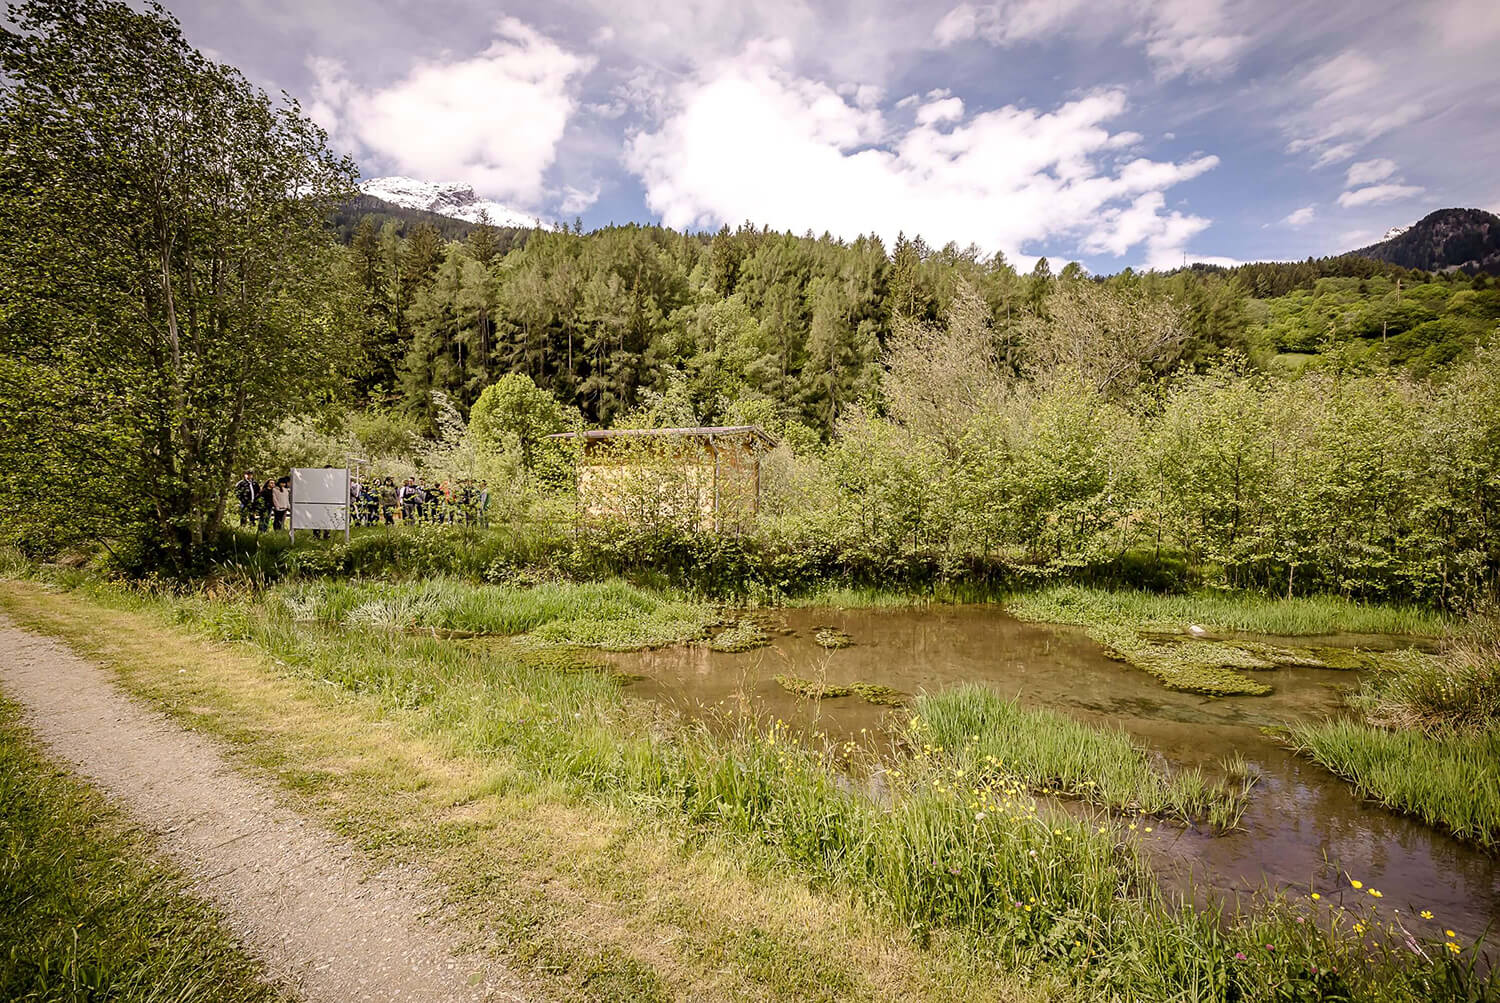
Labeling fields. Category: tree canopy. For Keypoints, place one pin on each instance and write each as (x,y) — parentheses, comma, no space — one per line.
(171,289)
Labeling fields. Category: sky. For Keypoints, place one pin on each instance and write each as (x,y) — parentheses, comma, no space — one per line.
(1111,132)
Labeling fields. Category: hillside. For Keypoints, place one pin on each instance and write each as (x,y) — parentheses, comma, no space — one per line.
(1464,239)
(381,212)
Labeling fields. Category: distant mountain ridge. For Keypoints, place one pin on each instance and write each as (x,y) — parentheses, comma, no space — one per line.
(450,199)
(1464,239)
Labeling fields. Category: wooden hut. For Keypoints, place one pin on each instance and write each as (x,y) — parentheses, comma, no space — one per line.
(703,478)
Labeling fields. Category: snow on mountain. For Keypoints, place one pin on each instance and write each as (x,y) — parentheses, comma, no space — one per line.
(457,201)
(1395,231)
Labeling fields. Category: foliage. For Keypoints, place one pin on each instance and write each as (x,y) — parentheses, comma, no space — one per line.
(513,413)
(170,285)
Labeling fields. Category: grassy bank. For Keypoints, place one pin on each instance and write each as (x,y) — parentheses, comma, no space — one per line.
(1152,631)
(505,777)
(611,615)
(87,910)
(1426,740)
(991,737)
(1214,610)
(1450,780)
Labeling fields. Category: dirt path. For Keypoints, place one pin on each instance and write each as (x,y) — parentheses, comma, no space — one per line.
(294,893)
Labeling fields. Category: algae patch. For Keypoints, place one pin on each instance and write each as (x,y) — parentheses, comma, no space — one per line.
(831,638)
(810,689)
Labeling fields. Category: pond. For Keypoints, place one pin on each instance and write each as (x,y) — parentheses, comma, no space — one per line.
(1304,829)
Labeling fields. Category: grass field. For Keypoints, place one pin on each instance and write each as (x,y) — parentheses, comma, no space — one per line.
(87,909)
(613,854)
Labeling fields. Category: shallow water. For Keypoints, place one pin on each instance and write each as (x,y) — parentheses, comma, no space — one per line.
(1303,831)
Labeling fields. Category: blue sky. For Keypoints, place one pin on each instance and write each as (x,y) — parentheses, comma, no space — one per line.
(1115,133)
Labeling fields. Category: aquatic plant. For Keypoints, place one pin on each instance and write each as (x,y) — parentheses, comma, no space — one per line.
(811,689)
(1051,753)
(831,638)
(740,635)
(1450,780)
(876,693)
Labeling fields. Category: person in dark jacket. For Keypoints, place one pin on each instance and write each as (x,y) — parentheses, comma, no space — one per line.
(263,506)
(244,493)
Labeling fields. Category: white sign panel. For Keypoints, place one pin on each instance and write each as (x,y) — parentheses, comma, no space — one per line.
(319,516)
(320,498)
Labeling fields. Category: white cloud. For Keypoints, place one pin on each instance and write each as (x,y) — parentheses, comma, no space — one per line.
(1330,155)
(945,110)
(1299,217)
(1369,171)
(576,200)
(493,120)
(750,139)
(1196,37)
(1376,194)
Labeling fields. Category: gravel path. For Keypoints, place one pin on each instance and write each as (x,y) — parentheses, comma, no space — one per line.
(294,893)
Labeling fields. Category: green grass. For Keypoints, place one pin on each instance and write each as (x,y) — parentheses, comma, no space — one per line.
(1147,629)
(947,847)
(1428,741)
(1448,780)
(1246,611)
(612,615)
(87,910)
(1045,752)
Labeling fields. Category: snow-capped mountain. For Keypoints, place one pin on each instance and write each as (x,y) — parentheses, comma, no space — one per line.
(454,200)
(1395,231)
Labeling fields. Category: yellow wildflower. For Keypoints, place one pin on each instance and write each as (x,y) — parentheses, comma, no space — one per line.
(1426,913)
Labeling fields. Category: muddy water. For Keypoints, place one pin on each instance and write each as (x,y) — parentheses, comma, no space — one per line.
(1304,829)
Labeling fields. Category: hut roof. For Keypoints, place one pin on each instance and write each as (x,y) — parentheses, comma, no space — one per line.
(701,432)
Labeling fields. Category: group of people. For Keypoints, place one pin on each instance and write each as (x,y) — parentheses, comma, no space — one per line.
(464,502)
(265,505)
(268,505)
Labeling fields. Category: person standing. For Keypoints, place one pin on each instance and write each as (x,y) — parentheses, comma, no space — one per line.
(484,504)
(263,506)
(281,502)
(244,493)
(408,496)
(389,499)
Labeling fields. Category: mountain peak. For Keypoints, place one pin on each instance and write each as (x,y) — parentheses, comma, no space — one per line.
(452,199)
(1464,239)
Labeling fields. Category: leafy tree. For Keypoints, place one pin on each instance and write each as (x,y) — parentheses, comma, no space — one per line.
(1113,336)
(171,290)
(515,414)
